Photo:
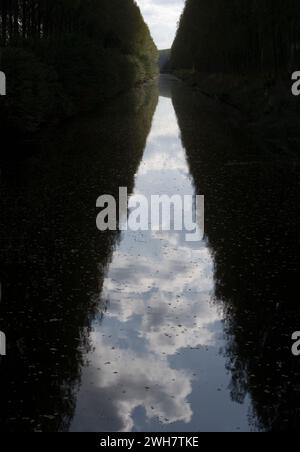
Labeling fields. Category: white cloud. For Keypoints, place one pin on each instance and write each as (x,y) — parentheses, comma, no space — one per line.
(162,17)
(141,380)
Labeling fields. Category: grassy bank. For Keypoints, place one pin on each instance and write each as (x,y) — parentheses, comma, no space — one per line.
(262,105)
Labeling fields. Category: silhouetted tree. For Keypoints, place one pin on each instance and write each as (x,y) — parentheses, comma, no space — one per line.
(238,36)
(65,56)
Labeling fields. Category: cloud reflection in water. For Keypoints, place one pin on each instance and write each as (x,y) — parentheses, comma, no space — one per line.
(160,292)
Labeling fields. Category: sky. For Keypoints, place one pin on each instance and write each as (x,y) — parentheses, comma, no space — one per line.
(162,17)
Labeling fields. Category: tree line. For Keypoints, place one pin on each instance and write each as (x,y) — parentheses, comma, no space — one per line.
(65,56)
(240,36)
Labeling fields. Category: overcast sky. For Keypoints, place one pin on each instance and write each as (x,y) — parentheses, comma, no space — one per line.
(162,17)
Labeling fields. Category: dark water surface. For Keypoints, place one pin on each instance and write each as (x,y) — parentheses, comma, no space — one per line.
(144,331)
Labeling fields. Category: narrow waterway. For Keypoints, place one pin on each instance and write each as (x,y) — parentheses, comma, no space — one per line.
(146,331)
(156,361)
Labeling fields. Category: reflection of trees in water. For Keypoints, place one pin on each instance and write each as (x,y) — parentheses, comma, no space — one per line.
(54,259)
(252,218)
